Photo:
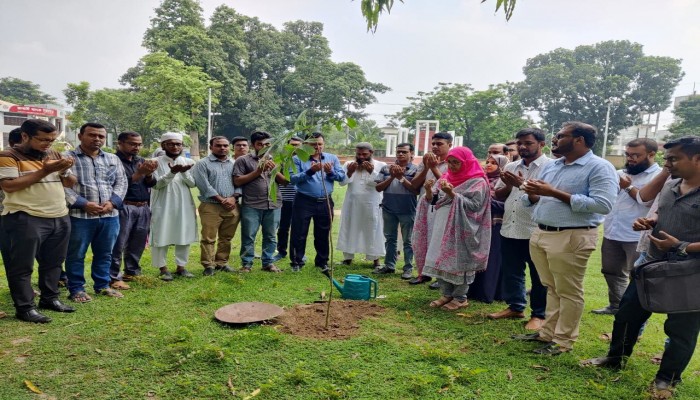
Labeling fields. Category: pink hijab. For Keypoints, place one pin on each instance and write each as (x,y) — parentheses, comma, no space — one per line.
(470,167)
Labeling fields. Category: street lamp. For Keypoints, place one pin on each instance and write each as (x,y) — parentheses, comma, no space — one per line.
(210,122)
(607,123)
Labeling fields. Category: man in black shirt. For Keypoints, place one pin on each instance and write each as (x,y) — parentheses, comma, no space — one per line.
(135,216)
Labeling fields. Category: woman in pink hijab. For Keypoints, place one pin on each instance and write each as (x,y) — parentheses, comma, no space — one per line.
(452,232)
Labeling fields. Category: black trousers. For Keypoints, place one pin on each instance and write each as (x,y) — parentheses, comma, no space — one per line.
(516,260)
(306,209)
(134,225)
(30,238)
(682,330)
(285,224)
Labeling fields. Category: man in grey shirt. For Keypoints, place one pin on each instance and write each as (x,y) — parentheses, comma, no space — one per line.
(253,174)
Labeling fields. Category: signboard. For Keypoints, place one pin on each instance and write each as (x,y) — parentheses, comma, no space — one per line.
(47,112)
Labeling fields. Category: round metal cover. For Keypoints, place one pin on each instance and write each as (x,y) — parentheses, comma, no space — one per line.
(246,313)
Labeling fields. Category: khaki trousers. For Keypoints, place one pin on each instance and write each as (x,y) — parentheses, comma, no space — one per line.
(560,259)
(221,223)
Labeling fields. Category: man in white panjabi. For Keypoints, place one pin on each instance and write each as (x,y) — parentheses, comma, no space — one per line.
(361,224)
(173,218)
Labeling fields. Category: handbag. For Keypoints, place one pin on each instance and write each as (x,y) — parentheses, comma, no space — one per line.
(669,286)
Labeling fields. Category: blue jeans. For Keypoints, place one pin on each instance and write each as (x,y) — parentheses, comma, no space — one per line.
(251,220)
(391,226)
(100,234)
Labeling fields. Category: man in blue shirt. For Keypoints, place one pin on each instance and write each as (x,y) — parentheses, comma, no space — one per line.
(314,180)
(571,196)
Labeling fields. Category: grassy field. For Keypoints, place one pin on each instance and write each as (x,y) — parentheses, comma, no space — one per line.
(161,342)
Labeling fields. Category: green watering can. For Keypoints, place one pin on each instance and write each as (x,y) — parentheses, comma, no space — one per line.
(357,287)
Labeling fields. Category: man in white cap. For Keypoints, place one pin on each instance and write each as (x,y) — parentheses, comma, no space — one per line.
(173,219)
(361,224)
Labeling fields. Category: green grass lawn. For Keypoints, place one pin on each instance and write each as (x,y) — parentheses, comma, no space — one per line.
(160,342)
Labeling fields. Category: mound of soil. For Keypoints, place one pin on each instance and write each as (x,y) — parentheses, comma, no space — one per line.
(309,320)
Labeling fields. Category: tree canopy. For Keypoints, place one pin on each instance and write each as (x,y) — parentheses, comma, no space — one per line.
(578,84)
(19,91)
(482,117)
(688,118)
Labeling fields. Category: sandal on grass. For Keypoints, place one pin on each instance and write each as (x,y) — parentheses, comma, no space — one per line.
(109,292)
(80,297)
(271,268)
(440,302)
(455,305)
(119,285)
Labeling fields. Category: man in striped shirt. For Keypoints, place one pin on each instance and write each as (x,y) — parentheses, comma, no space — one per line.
(94,203)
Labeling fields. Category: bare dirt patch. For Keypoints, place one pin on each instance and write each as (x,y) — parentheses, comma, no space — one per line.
(309,320)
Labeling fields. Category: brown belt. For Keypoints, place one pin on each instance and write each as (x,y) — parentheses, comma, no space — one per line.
(136,203)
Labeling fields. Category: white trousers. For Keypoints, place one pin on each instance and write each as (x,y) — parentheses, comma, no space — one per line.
(159,255)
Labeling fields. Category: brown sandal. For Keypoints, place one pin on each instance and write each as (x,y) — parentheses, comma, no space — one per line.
(440,302)
(455,305)
(271,268)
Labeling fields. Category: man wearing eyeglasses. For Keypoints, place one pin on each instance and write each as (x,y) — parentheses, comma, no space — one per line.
(135,215)
(314,180)
(571,196)
(512,154)
(619,250)
(173,218)
(35,218)
(398,208)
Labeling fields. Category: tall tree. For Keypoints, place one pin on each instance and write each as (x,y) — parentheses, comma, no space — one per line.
(564,85)
(688,118)
(18,91)
(482,117)
(78,96)
(177,95)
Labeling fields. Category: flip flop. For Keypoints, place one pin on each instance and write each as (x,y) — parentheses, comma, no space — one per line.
(440,302)
(455,305)
(80,297)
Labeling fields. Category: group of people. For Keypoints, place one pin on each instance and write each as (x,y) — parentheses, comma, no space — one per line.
(476,229)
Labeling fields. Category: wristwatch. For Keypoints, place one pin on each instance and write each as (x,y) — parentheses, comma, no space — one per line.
(680,250)
(629,188)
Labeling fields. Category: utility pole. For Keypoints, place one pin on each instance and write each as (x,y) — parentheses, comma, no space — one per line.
(209,123)
(605,134)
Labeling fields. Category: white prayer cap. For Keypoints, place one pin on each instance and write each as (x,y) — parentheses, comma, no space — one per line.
(170,136)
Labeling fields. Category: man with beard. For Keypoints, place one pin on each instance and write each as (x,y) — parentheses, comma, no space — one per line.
(35,218)
(314,180)
(398,208)
(173,219)
(95,202)
(433,167)
(361,225)
(253,174)
(619,250)
(571,197)
(673,230)
(516,231)
(218,210)
(135,215)
(512,146)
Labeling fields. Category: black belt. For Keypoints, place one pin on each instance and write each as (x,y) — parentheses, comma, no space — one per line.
(136,203)
(563,228)
(316,199)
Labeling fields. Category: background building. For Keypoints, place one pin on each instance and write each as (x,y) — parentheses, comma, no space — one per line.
(13,115)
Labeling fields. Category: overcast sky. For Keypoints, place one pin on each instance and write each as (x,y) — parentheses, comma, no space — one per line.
(421,43)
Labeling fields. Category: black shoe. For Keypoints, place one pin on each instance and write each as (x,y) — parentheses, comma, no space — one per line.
(166,276)
(55,305)
(420,279)
(183,273)
(208,271)
(33,316)
(325,270)
(607,310)
(224,268)
(529,337)
(434,286)
(383,271)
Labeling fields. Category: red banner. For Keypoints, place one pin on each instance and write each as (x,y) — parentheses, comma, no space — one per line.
(47,112)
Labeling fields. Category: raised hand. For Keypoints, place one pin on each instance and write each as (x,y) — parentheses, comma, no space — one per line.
(368,166)
(61,165)
(352,167)
(625,181)
(643,224)
(430,160)
(147,167)
(328,167)
(316,166)
(511,179)
(537,187)
(447,187)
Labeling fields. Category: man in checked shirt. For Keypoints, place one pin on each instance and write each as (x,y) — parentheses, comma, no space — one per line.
(94,202)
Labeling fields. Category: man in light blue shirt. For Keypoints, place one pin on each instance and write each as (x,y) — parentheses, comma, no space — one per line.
(571,196)
(619,250)
(314,180)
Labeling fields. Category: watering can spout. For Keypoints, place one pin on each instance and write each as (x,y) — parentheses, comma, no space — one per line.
(337,286)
